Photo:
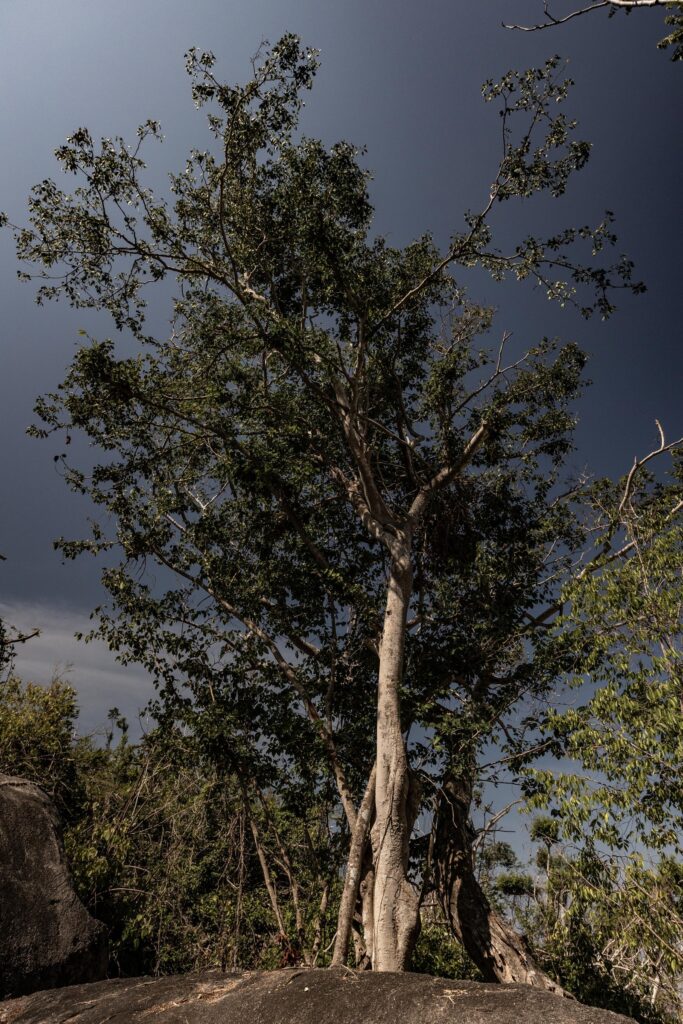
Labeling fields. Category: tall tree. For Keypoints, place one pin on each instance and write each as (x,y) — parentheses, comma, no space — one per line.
(348,506)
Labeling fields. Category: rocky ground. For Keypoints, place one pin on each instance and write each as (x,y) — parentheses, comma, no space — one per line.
(298,997)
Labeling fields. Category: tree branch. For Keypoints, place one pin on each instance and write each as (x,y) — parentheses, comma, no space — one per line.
(552,22)
(448,473)
(639,463)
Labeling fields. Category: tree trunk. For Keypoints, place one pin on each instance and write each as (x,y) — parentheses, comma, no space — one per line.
(497,950)
(395,902)
(354,872)
(367,911)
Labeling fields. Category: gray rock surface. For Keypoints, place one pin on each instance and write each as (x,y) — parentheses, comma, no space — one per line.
(299,997)
(47,937)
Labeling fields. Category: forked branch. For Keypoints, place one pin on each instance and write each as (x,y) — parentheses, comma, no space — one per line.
(639,463)
(552,21)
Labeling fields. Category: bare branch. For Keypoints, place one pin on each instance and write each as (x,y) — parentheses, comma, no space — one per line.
(22,638)
(492,822)
(639,463)
(552,21)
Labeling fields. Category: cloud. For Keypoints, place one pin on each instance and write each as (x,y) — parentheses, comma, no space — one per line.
(101,683)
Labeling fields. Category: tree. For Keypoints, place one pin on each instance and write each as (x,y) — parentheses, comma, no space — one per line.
(623,623)
(349,506)
(621,805)
(36,739)
(674,20)
(607,930)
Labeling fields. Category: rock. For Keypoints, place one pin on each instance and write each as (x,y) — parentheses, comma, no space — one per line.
(300,997)
(47,937)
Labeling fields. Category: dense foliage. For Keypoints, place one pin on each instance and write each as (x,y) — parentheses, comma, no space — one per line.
(619,797)
(162,851)
(185,868)
(349,558)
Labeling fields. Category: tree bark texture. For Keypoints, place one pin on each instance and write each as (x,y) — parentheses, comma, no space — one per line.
(354,871)
(395,904)
(500,953)
(367,911)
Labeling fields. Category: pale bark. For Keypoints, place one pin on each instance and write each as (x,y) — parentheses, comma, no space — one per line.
(395,902)
(596,5)
(268,878)
(352,880)
(500,953)
(367,902)
(359,955)
(320,924)
(288,868)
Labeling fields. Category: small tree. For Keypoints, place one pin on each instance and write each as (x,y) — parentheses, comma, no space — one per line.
(37,739)
(622,805)
(348,503)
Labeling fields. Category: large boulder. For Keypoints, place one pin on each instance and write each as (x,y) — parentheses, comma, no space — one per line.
(47,937)
(300,997)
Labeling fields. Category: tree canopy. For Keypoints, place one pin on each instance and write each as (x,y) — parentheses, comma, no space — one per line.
(340,512)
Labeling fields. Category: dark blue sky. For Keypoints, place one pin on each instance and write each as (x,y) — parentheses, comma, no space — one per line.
(404,80)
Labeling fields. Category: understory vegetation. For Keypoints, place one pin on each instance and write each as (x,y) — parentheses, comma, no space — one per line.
(189,871)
